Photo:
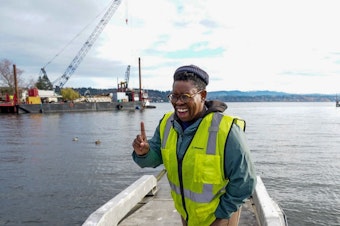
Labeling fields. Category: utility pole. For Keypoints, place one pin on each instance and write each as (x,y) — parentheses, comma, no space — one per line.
(16,91)
(140,82)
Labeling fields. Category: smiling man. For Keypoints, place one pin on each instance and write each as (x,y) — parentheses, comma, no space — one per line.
(204,151)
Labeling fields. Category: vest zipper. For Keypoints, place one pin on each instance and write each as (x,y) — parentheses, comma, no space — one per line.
(180,178)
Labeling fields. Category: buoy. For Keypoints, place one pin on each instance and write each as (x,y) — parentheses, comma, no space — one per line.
(97,142)
(75,139)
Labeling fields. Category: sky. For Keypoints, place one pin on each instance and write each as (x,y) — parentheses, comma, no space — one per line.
(288,46)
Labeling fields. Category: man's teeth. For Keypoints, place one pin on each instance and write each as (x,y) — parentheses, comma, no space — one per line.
(182,110)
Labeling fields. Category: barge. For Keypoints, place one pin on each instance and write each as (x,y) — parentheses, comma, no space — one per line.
(64,107)
(48,101)
(76,107)
(147,202)
(36,103)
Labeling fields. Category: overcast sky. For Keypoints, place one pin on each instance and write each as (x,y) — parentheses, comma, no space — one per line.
(279,45)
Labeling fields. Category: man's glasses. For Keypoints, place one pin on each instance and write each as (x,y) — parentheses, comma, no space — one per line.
(185,98)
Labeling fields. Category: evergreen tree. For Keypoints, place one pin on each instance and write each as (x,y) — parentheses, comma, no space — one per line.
(44,83)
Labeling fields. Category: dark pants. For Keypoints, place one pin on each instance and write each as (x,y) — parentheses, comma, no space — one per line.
(232,221)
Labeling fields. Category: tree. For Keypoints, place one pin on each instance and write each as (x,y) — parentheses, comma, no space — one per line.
(44,83)
(7,75)
(69,94)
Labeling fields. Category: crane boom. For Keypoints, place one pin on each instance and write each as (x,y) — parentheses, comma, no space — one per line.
(127,75)
(87,45)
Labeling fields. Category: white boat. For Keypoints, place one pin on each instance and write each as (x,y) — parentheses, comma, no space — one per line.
(147,202)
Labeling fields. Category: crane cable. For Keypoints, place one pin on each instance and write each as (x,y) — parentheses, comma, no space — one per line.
(126,12)
(77,35)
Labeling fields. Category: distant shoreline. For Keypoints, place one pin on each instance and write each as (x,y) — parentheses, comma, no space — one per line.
(292,98)
(233,96)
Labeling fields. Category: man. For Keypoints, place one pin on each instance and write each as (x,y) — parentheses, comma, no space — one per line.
(204,152)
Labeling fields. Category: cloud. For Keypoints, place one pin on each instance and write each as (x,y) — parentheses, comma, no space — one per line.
(289,46)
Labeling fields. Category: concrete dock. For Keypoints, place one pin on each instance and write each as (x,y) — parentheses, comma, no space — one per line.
(159,210)
(147,202)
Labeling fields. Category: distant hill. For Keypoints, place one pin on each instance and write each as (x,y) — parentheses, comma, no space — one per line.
(248,93)
(232,96)
(268,96)
(252,96)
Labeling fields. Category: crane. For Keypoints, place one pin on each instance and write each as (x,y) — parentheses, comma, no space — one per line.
(60,82)
(123,86)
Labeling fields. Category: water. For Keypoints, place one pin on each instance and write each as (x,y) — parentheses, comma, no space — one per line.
(46,178)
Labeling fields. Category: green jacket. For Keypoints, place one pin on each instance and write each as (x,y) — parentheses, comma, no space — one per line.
(238,169)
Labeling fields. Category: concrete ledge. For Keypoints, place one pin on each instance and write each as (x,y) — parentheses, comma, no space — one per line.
(115,209)
(268,211)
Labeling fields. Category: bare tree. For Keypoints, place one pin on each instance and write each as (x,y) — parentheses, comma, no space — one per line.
(7,75)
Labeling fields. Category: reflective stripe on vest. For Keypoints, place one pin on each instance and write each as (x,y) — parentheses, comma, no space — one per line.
(167,129)
(205,197)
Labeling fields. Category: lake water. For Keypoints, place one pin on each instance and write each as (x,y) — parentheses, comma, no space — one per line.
(46,178)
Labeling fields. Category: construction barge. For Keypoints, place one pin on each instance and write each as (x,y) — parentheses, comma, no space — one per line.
(34,104)
(45,101)
(67,107)
(76,107)
(147,202)
(34,100)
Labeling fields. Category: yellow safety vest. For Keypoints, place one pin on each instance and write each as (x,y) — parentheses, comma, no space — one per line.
(198,181)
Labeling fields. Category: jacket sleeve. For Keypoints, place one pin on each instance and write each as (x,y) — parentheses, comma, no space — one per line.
(154,157)
(240,171)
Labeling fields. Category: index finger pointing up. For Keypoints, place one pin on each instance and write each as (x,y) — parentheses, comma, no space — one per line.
(142,130)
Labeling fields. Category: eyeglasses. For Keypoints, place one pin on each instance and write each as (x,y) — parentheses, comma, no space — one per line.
(183,97)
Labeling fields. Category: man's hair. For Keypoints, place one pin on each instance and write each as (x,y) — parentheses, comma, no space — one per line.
(187,76)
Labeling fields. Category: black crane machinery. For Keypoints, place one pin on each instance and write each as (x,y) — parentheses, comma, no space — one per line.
(61,81)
